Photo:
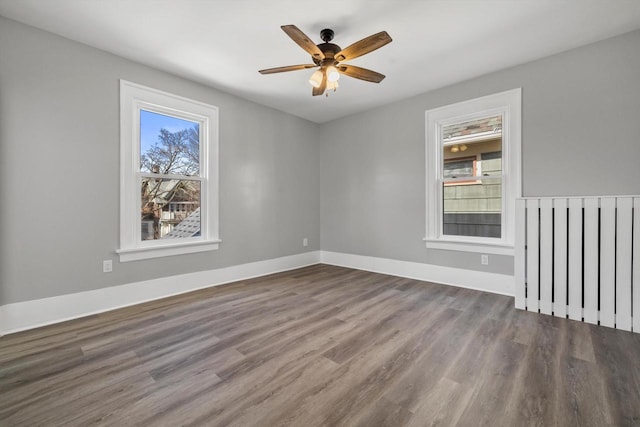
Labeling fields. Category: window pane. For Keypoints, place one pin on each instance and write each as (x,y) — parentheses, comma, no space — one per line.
(170,208)
(169,145)
(473,209)
(465,147)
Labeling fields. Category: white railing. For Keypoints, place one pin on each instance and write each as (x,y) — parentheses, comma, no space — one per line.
(579,257)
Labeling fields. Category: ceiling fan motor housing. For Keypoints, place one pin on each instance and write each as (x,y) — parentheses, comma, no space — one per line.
(329,50)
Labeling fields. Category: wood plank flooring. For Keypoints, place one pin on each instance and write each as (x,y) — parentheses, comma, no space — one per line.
(321,346)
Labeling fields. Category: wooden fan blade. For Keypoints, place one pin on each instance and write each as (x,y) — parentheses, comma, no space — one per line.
(287,68)
(360,73)
(366,45)
(323,86)
(303,41)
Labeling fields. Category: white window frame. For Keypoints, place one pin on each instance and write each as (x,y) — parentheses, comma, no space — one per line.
(509,105)
(133,98)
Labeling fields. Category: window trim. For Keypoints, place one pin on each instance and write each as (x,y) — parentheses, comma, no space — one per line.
(133,98)
(509,104)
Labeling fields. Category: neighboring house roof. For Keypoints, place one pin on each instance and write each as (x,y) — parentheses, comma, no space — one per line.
(165,189)
(188,227)
(472,127)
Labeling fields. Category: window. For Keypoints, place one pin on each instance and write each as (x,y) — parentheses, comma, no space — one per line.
(458,168)
(169,174)
(473,173)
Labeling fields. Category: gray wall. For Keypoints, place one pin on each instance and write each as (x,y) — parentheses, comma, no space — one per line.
(59,171)
(581,136)
(354,185)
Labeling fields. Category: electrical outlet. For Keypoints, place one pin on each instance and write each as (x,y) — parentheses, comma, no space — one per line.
(107,266)
(484,259)
(305,242)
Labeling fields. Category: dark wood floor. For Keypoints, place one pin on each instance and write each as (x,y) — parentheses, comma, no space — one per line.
(322,345)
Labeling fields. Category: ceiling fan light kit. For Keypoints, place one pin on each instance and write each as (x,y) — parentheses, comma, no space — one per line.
(328,57)
(332,73)
(316,78)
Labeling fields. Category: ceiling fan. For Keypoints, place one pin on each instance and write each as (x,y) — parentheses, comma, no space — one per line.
(329,57)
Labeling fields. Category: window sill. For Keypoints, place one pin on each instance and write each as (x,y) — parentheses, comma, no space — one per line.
(465,246)
(135,254)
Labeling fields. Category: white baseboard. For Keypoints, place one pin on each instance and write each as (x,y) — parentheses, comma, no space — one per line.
(490,282)
(32,314)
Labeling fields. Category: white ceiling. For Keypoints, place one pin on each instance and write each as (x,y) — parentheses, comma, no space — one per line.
(223,43)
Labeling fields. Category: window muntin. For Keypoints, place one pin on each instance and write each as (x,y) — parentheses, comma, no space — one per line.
(473,161)
(169,192)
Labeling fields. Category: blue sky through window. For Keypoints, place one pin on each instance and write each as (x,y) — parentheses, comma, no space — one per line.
(151,123)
